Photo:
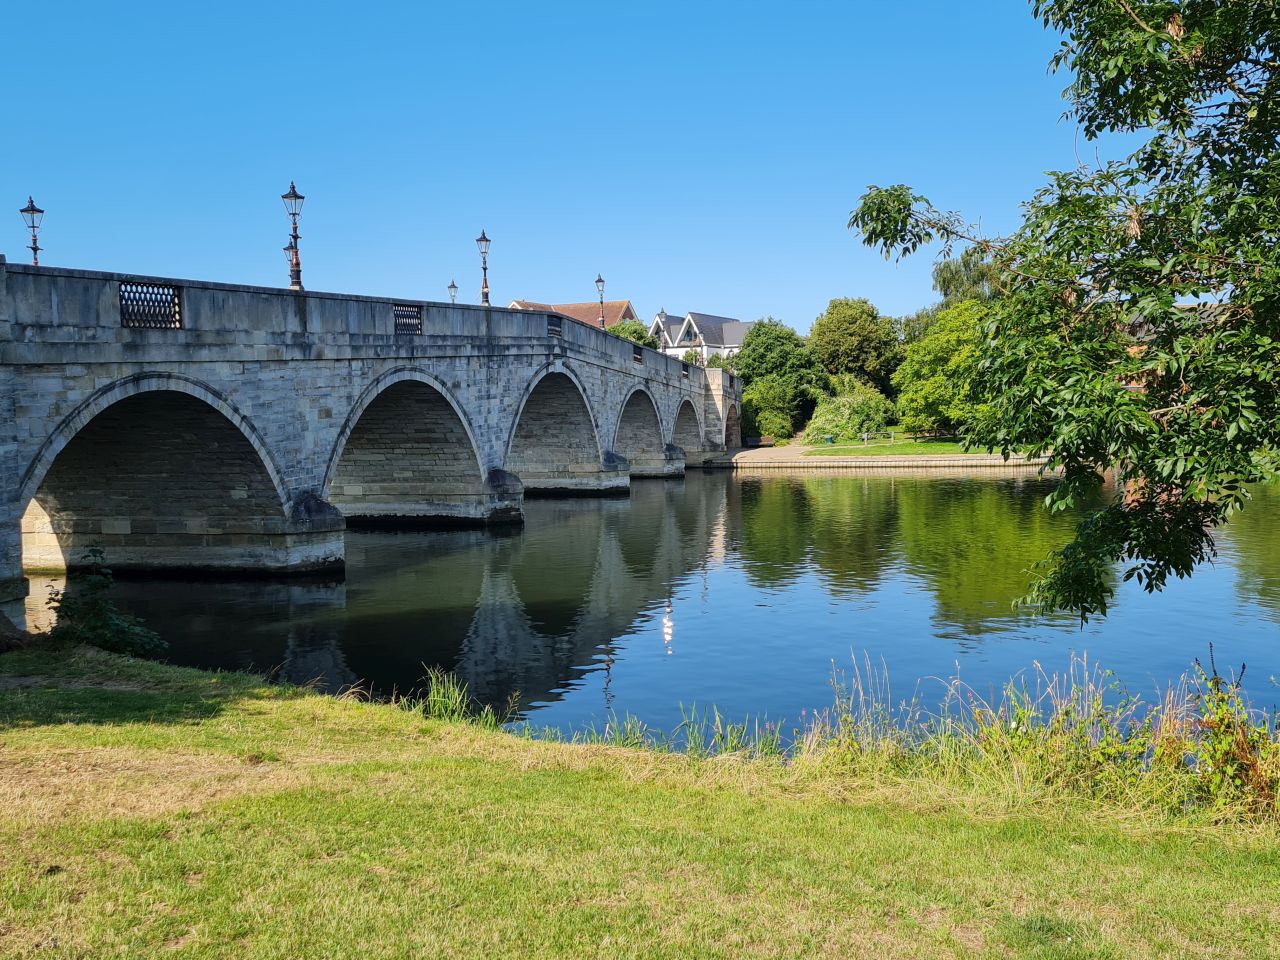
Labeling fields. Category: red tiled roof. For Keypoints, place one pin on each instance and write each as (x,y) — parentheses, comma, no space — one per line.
(615,311)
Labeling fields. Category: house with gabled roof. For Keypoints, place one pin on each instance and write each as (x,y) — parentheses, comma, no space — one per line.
(615,311)
(704,333)
(666,329)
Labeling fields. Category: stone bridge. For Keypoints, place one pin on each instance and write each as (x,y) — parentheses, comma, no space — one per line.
(204,426)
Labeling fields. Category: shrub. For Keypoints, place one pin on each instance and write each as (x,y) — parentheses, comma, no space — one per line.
(770,406)
(859,409)
(86,614)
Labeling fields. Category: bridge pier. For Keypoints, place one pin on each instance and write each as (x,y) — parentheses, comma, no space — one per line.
(610,477)
(13,583)
(670,463)
(308,541)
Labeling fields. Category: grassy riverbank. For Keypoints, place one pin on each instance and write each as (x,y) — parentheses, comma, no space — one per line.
(147,810)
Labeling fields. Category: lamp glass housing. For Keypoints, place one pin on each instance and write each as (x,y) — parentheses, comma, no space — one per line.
(31,215)
(293,200)
(482,242)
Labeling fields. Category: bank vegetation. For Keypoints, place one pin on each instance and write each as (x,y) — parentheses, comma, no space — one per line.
(154,810)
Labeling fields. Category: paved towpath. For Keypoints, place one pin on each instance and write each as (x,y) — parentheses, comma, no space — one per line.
(792,457)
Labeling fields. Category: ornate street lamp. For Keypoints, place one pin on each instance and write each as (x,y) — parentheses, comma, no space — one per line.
(483,243)
(293,206)
(453,292)
(600,290)
(31,216)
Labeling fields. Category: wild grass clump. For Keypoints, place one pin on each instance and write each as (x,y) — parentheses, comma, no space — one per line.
(1199,749)
(699,735)
(446,698)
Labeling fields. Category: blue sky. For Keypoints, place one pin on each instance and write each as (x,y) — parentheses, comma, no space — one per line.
(701,156)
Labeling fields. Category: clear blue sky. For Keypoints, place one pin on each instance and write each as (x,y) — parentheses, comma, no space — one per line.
(702,156)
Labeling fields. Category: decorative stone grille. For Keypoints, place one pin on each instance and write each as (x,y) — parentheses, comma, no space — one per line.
(637,355)
(555,327)
(408,317)
(151,305)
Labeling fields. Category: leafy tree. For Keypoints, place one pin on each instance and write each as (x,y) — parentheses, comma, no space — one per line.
(772,349)
(970,276)
(1139,326)
(692,356)
(636,332)
(852,337)
(915,325)
(858,408)
(720,362)
(935,380)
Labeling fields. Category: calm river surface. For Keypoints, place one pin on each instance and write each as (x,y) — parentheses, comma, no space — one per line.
(741,592)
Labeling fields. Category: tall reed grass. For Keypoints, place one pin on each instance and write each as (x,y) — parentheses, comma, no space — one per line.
(1198,747)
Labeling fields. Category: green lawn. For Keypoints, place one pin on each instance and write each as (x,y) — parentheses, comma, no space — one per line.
(885,448)
(147,811)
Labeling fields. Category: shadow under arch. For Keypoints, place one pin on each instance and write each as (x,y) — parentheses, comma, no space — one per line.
(554,445)
(406,456)
(638,437)
(126,387)
(687,429)
(163,472)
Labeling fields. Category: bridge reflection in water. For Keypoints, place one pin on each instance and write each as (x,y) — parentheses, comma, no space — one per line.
(757,585)
(524,613)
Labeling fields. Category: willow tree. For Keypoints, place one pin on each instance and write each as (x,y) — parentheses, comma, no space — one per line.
(1138,323)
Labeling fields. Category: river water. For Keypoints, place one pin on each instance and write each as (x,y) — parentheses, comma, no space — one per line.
(746,593)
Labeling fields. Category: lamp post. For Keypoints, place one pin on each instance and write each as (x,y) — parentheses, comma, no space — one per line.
(291,258)
(600,290)
(31,216)
(453,292)
(293,206)
(482,242)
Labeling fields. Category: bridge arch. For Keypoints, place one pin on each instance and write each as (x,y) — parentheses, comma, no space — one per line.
(686,429)
(161,470)
(406,454)
(554,445)
(638,437)
(112,393)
